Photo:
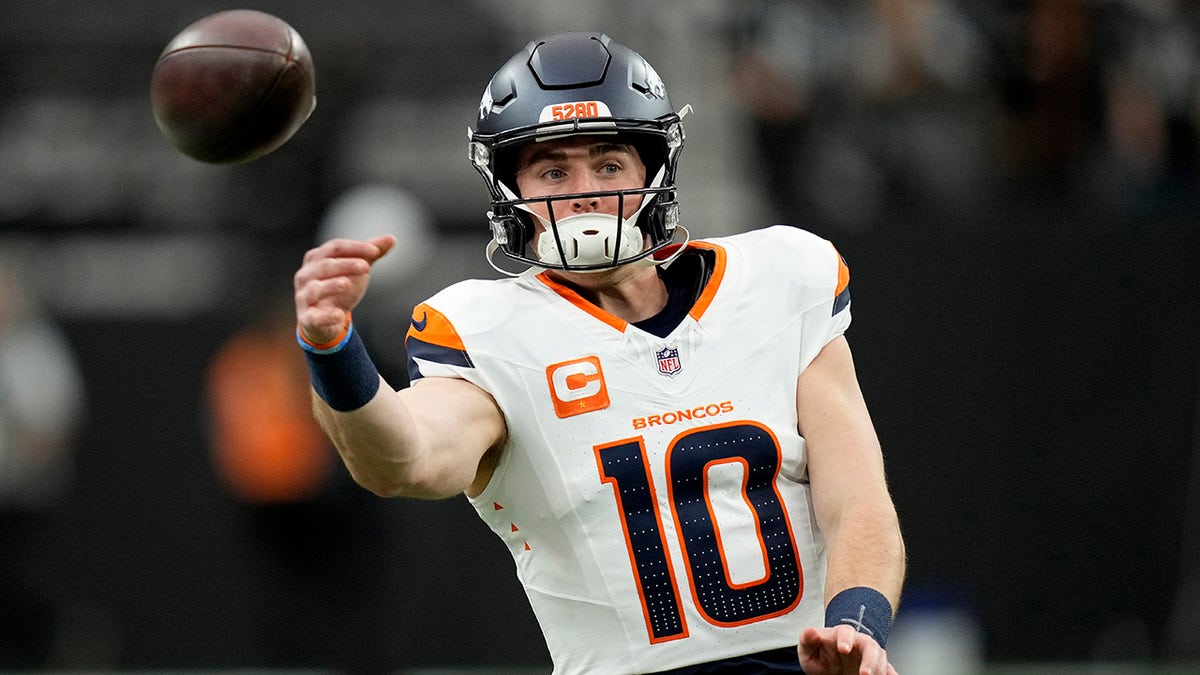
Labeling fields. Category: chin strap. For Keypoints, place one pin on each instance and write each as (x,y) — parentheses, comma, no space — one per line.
(489,253)
(667,254)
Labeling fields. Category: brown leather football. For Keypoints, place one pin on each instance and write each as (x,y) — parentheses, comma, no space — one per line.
(233,86)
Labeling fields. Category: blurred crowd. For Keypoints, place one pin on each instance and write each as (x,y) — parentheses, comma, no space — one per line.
(872,114)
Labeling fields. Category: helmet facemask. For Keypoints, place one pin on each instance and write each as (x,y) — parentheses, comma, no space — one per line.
(584,242)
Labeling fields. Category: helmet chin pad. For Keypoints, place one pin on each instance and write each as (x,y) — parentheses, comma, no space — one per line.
(588,239)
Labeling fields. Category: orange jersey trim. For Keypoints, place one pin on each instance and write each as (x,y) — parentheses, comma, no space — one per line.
(569,294)
(697,310)
(714,281)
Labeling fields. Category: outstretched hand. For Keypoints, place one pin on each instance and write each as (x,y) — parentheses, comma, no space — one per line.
(332,281)
(840,650)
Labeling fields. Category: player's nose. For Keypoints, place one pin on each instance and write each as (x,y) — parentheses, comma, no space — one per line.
(582,185)
(585,204)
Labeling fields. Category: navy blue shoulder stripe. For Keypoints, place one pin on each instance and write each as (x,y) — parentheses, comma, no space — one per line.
(427,351)
(841,301)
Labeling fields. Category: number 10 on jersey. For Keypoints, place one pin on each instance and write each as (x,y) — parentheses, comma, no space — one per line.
(720,599)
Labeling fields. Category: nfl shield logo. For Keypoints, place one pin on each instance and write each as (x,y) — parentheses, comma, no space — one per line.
(668,360)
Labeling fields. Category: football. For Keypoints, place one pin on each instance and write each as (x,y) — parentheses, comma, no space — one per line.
(233,86)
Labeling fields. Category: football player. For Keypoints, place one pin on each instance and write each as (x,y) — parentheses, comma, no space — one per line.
(668,434)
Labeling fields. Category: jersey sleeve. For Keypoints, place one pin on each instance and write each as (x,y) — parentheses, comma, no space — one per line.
(440,334)
(816,284)
(434,346)
(830,317)
(447,335)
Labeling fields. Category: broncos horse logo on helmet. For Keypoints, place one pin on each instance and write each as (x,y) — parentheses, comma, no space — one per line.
(567,84)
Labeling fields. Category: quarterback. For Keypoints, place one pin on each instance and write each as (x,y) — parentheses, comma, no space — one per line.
(668,434)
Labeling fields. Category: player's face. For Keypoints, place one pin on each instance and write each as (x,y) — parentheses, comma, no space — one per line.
(576,165)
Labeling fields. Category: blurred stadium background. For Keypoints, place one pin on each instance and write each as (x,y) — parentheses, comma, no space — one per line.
(1015,185)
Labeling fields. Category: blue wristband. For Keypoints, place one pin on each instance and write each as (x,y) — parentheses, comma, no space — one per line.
(864,609)
(343,376)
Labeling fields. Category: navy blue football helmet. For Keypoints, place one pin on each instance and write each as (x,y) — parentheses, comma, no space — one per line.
(567,84)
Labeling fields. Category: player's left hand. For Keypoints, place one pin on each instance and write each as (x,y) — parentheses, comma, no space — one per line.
(841,651)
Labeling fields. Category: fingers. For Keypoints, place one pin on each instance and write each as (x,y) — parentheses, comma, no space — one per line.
(384,244)
(325,281)
(855,647)
(332,280)
(369,251)
(842,650)
(325,269)
(874,662)
(810,640)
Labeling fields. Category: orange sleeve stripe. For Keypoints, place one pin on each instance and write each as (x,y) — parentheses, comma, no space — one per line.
(843,275)
(431,326)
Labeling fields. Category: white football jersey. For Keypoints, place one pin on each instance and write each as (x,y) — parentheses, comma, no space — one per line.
(653,491)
